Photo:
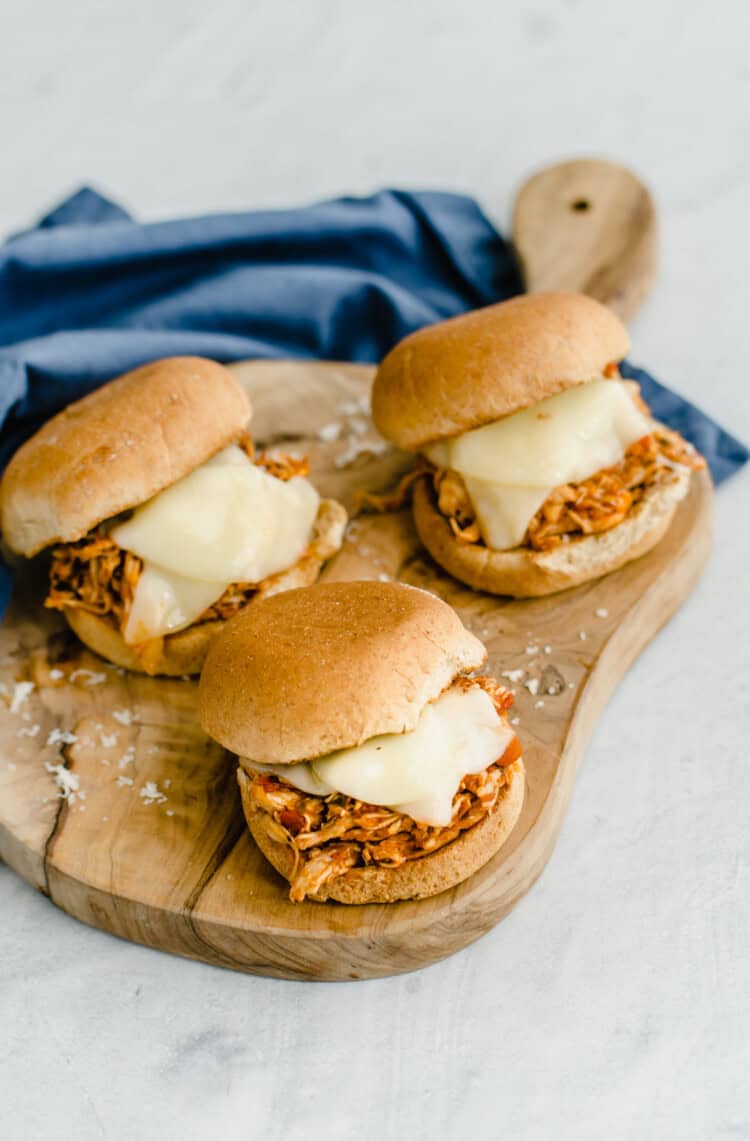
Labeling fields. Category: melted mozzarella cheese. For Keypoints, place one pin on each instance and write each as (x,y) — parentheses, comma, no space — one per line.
(417,773)
(227,521)
(510,466)
(165,602)
(503,512)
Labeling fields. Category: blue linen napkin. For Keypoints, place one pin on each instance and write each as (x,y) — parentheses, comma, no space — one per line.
(89,293)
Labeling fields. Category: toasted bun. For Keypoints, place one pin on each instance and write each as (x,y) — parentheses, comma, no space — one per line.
(309,671)
(414,879)
(448,378)
(116,448)
(185,652)
(524,573)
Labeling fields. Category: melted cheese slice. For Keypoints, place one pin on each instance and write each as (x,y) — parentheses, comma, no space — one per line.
(417,773)
(227,521)
(511,466)
(165,602)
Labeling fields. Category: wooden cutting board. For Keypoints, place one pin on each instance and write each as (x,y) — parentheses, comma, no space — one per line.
(114,804)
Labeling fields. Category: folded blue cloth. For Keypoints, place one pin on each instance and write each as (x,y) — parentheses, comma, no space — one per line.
(89,293)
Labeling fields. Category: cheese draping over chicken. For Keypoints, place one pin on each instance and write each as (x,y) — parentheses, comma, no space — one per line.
(589,507)
(97,575)
(330,835)
(569,511)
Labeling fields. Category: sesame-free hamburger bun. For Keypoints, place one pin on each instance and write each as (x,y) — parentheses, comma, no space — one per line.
(309,672)
(473,369)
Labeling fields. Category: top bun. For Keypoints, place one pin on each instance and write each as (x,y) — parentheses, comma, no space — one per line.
(449,378)
(308,671)
(116,448)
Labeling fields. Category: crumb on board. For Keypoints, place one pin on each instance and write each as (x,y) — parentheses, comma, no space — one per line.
(88,676)
(124,716)
(601,612)
(28,731)
(150,793)
(68,783)
(21,691)
(582,635)
(513,675)
(539,704)
(61,737)
(330,432)
(532,684)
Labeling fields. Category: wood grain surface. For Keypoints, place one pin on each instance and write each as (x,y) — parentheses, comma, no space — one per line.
(588,226)
(149,842)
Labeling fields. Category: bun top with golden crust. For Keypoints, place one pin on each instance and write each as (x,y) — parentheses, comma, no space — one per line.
(470,370)
(117,447)
(308,671)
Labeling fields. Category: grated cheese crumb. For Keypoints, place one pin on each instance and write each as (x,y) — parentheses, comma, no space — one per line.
(583,635)
(124,716)
(532,685)
(93,678)
(170,812)
(67,782)
(548,649)
(108,740)
(56,674)
(21,691)
(329,432)
(151,794)
(515,720)
(602,612)
(27,731)
(127,758)
(539,705)
(124,781)
(167,782)
(532,649)
(358,447)
(513,675)
(61,737)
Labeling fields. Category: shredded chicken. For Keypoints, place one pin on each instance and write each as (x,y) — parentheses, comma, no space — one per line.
(594,505)
(330,835)
(96,575)
(572,510)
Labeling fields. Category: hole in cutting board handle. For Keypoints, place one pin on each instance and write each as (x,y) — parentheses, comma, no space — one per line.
(580,205)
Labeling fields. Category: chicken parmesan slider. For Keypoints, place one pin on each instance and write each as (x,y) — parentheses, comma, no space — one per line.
(372,767)
(162,520)
(538,466)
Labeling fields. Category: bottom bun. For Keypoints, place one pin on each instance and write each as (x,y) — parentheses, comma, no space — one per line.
(525,573)
(415,879)
(180,654)
(184,653)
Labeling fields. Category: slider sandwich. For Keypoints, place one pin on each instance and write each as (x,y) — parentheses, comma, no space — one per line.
(372,767)
(538,466)
(162,520)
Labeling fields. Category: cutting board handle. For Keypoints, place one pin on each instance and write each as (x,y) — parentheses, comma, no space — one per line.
(588,226)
